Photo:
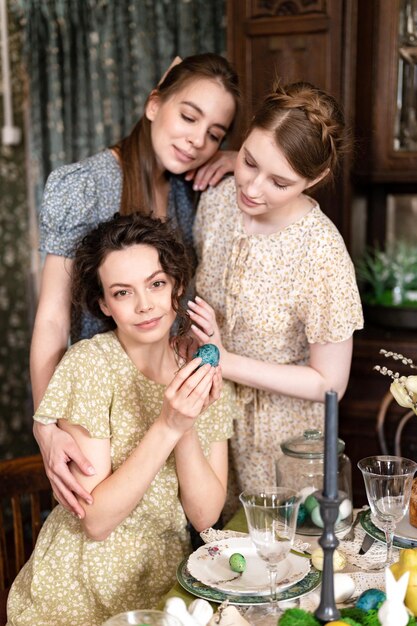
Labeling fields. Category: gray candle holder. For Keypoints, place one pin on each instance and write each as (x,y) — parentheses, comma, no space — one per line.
(329,508)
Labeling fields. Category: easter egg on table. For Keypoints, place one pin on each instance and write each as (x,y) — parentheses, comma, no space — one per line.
(370,599)
(311,503)
(301,515)
(344,586)
(345,508)
(316,517)
(237,562)
(339,559)
(317,520)
(209,353)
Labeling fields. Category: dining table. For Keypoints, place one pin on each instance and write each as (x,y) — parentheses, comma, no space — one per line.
(358,566)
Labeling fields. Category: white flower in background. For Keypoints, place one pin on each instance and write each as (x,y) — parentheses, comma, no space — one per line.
(403,388)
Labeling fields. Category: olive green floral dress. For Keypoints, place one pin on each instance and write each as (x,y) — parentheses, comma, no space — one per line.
(274,295)
(71,580)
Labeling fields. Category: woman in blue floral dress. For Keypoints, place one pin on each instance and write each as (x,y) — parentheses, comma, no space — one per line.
(186,119)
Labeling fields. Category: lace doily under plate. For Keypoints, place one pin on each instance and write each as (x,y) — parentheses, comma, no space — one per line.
(211,534)
(359,567)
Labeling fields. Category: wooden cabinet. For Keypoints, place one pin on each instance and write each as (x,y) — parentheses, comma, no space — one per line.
(386,108)
(296,40)
(386,61)
(359,407)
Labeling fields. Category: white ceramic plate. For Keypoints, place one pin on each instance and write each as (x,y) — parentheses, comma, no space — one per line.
(210,565)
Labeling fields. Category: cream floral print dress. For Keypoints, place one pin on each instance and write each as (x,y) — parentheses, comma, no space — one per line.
(71,580)
(273,296)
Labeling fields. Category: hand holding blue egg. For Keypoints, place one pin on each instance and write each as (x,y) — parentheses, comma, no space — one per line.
(209,353)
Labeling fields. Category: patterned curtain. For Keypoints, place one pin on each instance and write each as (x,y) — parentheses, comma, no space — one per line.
(92,63)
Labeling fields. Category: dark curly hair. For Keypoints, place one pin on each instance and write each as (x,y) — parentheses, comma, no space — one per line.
(121,232)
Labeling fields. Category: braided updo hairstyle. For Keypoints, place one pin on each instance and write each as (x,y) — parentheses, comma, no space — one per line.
(308,127)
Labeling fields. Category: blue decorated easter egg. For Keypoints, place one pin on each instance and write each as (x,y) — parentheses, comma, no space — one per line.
(302,515)
(209,353)
(370,599)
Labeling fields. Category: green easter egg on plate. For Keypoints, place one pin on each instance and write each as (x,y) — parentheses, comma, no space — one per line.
(237,562)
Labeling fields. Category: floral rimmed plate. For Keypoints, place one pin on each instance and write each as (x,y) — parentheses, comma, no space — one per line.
(210,565)
(405,534)
(199,589)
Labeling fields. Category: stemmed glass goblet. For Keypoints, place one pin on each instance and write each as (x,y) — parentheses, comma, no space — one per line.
(271,515)
(388,481)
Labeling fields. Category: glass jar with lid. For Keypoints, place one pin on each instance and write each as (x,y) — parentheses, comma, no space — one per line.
(301,467)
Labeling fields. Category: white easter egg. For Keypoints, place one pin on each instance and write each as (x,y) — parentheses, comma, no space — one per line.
(344,587)
(345,508)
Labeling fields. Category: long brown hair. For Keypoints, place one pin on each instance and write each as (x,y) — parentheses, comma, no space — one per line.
(121,232)
(308,127)
(135,152)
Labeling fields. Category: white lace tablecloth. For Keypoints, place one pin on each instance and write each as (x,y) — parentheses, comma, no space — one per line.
(359,567)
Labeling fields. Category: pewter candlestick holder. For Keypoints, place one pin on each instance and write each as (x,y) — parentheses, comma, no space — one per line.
(329,508)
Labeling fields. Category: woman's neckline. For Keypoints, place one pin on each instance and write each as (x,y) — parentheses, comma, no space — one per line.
(280,230)
(133,365)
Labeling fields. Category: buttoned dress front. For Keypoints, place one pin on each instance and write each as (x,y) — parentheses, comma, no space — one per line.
(71,580)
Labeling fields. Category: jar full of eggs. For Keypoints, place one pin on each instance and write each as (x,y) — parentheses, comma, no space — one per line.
(301,467)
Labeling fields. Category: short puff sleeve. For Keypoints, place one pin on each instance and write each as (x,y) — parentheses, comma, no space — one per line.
(332,308)
(80,390)
(76,198)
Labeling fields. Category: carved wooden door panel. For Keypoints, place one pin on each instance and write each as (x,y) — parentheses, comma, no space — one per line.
(312,40)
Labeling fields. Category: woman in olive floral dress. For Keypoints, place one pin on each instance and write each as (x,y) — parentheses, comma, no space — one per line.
(153,426)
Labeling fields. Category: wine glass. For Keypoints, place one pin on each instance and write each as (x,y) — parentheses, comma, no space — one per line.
(271,515)
(388,481)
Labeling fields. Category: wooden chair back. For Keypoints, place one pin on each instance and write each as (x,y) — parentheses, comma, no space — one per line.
(25,492)
(390,428)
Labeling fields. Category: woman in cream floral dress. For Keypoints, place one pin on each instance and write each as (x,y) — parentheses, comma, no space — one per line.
(139,417)
(277,286)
